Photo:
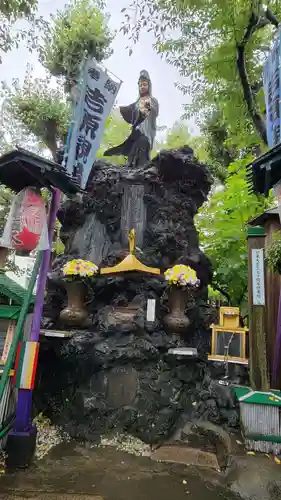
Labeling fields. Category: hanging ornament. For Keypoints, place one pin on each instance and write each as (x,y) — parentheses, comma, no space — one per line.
(26,227)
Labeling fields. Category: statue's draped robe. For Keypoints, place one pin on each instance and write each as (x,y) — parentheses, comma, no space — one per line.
(138,145)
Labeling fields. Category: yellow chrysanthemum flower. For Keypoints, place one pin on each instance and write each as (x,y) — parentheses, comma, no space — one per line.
(80,267)
(181,275)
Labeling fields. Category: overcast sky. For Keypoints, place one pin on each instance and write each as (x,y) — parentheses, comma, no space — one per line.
(127,68)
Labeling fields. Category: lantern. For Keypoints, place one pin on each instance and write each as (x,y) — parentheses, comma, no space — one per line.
(26,226)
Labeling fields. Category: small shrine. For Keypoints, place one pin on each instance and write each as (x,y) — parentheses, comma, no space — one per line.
(228,338)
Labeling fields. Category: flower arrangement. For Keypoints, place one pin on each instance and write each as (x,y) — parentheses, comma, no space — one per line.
(79,268)
(181,275)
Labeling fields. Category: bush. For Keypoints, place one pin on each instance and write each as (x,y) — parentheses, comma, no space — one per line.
(273,257)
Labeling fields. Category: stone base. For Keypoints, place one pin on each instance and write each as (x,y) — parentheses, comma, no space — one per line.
(181,454)
(21,449)
(127,383)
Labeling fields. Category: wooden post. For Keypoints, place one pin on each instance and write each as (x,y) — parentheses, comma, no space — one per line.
(256,303)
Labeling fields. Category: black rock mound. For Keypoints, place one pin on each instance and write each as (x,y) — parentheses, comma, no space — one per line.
(118,374)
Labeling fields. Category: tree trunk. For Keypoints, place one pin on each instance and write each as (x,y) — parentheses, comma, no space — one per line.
(255,115)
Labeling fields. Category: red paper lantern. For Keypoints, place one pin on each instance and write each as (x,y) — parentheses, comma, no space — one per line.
(28,222)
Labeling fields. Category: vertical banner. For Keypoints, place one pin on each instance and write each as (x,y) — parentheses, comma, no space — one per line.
(277,193)
(97,97)
(271,81)
(267,71)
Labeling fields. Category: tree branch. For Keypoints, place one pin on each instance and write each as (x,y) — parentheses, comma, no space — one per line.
(49,136)
(222,292)
(259,123)
(271,17)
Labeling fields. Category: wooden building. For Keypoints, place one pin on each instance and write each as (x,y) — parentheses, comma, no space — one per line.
(270,221)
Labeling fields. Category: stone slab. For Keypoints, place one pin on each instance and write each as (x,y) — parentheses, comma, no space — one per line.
(185,455)
(121,386)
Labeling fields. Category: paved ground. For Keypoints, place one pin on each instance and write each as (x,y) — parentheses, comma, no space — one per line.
(73,472)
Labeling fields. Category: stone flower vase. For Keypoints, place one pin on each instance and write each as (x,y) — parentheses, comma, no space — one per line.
(75,313)
(176,321)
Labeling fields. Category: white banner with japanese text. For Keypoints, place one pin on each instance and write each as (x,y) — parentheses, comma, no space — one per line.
(97,96)
(258,277)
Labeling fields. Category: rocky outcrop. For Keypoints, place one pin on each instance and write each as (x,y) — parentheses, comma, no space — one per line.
(117,372)
(127,382)
(159,200)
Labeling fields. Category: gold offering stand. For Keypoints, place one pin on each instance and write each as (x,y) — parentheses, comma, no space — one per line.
(130,263)
(228,339)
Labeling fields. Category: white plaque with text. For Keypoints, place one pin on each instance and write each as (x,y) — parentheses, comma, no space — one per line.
(150,311)
(258,277)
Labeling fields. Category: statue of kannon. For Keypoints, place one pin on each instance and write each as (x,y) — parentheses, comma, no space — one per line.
(142,116)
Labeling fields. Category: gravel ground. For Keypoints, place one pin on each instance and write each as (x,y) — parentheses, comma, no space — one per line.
(48,436)
(127,443)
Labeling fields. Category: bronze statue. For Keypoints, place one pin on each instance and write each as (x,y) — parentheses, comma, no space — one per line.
(142,116)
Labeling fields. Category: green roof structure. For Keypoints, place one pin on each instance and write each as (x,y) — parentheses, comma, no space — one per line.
(14,293)
(249,396)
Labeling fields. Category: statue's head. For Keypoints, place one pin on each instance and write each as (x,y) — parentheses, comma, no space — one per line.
(144,84)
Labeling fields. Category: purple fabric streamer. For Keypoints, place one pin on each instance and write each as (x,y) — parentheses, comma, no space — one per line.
(276,361)
(24,403)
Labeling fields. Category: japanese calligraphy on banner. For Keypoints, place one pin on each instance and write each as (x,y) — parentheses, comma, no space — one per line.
(258,277)
(271,81)
(277,193)
(97,97)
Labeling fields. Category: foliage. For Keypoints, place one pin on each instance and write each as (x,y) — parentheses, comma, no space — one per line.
(216,142)
(214,295)
(273,257)
(80,30)
(42,108)
(176,137)
(41,105)
(12,132)
(12,11)
(6,198)
(221,49)
(222,225)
